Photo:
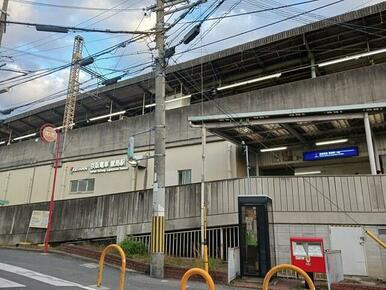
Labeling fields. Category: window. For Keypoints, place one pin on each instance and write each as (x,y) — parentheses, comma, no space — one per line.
(184,176)
(82,185)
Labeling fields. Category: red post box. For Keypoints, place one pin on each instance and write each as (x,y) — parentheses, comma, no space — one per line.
(308,254)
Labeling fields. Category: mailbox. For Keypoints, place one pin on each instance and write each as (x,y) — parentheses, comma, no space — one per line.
(308,254)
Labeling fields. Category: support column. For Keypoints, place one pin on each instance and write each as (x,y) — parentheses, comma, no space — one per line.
(204,251)
(370,146)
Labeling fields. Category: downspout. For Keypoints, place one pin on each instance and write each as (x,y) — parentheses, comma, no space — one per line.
(229,154)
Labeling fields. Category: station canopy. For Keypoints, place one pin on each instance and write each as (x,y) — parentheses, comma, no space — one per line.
(297,126)
(288,53)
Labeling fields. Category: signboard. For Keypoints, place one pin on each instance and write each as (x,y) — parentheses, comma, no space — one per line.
(233,263)
(48,133)
(330,154)
(103,166)
(39,219)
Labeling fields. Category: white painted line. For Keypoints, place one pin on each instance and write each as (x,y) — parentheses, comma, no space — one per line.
(9,284)
(90,265)
(50,280)
(95,287)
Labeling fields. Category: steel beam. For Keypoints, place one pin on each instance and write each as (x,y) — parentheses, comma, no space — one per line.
(295,133)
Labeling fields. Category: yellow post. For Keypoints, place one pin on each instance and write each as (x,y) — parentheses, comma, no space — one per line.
(206,258)
(200,272)
(376,239)
(282,267)
(123,265)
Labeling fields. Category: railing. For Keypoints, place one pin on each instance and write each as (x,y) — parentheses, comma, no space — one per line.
(187,243)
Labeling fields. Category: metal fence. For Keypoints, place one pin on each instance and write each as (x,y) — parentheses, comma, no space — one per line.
(187,244)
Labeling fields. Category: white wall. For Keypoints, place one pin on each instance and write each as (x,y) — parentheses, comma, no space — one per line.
(34,184)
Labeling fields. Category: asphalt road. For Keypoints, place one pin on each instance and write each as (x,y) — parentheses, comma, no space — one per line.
(36,271)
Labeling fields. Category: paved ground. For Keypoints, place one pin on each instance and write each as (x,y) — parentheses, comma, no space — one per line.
(36,271)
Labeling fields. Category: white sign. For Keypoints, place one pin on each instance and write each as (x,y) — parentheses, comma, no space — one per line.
(39,219)
(233,263)
(103,166)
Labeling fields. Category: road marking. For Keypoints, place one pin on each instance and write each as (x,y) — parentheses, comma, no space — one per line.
(90,265)
(50,280)
(95,287)
(9,284)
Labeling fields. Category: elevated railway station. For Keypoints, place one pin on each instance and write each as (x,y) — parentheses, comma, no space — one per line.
(295,123)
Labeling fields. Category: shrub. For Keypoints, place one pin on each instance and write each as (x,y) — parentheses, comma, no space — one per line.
(132,248)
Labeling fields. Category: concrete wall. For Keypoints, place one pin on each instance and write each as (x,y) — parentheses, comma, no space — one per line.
(375,255)
(34,184)
(302,205)
(363,85)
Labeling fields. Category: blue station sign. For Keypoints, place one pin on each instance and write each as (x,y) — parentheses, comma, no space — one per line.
(330,153)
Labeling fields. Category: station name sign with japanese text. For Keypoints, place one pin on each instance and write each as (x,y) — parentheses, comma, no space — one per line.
(103,166)
(331,153)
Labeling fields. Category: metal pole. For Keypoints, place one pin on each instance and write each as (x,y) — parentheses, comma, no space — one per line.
(376,153)
(3,18)
(204,246)
(52,204)
(370,147)
(247,161)
(158,221)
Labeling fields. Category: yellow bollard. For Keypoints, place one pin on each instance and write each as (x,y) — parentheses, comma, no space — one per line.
(123,265)
(200,272)
(279,268)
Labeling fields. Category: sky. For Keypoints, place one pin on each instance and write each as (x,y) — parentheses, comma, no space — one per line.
(25,49)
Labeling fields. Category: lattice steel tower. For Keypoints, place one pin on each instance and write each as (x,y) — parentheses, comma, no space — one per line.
(73,84)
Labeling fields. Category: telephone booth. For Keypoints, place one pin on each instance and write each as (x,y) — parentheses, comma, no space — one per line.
(256,235)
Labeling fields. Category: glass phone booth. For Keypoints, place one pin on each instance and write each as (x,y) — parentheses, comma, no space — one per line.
(256,235)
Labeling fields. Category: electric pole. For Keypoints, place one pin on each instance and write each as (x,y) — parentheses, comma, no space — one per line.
(158,220)
(3,18)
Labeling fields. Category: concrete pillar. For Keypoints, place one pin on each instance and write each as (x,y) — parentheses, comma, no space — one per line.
(370,146)
(376,153)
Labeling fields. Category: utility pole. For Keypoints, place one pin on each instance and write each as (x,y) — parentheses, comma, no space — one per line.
(158,220)
(3,18)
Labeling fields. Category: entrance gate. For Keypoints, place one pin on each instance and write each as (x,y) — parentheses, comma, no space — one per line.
(256,229)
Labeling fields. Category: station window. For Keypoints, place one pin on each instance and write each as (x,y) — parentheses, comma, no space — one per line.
(82,185)
(184,176)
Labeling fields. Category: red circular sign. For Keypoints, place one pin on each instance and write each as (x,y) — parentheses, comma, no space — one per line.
(48,133)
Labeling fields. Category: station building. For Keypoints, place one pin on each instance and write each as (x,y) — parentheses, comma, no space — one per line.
(296,120)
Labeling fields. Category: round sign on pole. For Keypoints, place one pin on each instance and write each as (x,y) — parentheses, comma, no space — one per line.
(48,133)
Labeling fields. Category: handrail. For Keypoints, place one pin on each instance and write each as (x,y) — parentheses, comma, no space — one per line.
(123,265)
(376,239)
(200,272)
(278,268)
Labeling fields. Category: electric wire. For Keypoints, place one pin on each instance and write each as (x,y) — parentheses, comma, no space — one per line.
(49,38)
(41,4)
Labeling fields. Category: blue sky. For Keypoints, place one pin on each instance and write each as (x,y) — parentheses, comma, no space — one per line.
(23,48)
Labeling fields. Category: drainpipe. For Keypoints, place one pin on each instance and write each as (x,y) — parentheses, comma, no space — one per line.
(229,154)
(370,146)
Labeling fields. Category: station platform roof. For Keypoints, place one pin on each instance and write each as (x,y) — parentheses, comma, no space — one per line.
(296,126)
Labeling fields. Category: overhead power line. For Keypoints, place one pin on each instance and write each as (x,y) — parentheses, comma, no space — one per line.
(259,27)
(75,7)
(251,12)
(66,29)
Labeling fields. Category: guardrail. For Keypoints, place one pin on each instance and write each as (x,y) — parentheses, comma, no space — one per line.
(187,243)
(123,265)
